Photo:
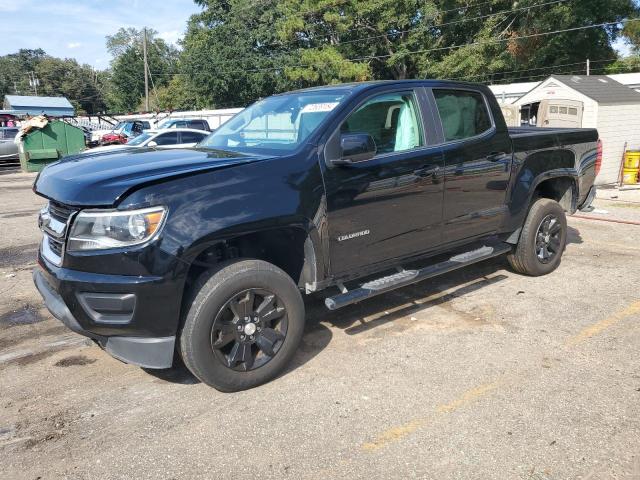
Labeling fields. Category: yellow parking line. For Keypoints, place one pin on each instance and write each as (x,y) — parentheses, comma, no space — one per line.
(397,433)
(598,327)
(468,397)
(401,431)
(394,434)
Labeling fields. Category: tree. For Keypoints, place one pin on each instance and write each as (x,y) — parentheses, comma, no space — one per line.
(127,67)
(515,38)
(176,95)
(231,54)
(377,34)
(455,38)
(58,77)
(14,70)
(628,64)
(236,51)
(76,82)
(631,33)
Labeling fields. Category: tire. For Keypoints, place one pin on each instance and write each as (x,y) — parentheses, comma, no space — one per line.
(529,255)
(233,302)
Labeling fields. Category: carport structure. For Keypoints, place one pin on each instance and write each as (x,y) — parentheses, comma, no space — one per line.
(595,101)
(30,105)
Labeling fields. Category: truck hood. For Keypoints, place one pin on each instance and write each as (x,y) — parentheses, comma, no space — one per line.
(102,179)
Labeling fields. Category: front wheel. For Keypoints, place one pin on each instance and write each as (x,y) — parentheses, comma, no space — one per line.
(243,326)
(542,240)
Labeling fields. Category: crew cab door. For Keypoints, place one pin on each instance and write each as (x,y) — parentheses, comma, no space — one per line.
(389,206)
(477,161)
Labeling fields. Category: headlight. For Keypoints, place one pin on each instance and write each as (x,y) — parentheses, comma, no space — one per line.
(99,229)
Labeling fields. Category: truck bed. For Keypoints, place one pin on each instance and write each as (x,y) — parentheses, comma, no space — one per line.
(520,131)
(536,138)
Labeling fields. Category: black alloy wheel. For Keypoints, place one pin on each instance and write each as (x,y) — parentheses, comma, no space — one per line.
(244,322)
(249,329)
(548,239)
(542,239)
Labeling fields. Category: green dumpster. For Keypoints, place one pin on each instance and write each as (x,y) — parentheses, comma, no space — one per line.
(42,146)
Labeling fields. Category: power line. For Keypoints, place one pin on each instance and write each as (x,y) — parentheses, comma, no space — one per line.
(498,40)
(421,51)
(302,14)
(421,27)
(572,72)
(464,20)
(551,67)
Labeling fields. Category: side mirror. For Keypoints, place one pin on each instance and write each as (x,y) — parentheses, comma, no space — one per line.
(356,147)
(152,144)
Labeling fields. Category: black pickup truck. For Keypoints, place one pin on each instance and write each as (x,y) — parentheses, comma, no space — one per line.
(204,254)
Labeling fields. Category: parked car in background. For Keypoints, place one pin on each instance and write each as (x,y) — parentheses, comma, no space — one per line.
(8,149)
(174,137)
(197,123)
(113,138)
(121,132)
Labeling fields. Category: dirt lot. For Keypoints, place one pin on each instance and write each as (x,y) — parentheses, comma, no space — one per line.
(479,374)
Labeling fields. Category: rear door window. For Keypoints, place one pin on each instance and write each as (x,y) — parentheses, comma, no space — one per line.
(198,125)
(170,138)
(191,137)
(463,113)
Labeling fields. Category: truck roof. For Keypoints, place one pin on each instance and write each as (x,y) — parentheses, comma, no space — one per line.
(358,86)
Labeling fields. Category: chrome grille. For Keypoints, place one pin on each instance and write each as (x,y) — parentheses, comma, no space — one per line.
(60,212)
(54,222)
(56,246)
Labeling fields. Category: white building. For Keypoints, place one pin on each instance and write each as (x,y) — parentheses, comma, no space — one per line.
(510,92)
(596,101)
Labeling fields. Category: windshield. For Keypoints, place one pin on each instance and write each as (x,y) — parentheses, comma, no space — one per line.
(276,124)
(166,124)
(140,139)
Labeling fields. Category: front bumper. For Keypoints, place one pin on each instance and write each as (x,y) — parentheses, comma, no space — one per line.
(141,332)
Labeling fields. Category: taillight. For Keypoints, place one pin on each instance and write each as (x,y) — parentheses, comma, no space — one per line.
(598,157)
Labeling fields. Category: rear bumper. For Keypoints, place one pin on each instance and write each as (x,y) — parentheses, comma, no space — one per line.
(586,205)
(64,292)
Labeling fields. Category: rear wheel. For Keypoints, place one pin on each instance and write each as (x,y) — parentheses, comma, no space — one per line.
(542,240)
(243,326)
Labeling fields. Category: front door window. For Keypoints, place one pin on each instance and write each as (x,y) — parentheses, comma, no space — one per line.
(391,119)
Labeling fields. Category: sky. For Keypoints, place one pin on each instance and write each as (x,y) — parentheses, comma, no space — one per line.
(77,29)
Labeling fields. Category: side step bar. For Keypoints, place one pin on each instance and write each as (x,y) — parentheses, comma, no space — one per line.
(407,277)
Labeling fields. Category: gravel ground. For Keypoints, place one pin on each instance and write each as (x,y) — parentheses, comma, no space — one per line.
(481,373)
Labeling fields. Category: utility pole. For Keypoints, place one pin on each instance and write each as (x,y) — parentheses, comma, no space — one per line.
(588,67)
(146,69)
(34,82)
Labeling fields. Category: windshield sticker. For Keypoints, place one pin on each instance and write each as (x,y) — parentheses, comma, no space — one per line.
(319,107)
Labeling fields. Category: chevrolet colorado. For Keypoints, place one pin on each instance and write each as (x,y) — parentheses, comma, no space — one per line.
(356,189)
